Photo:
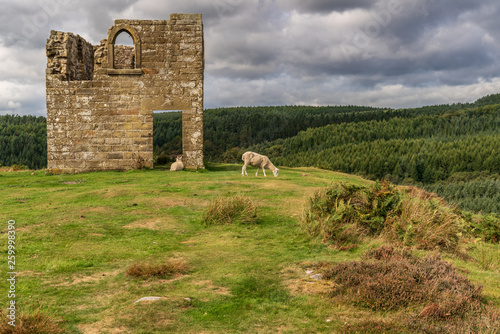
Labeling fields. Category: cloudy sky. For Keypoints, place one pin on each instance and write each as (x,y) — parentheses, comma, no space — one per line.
(390,53)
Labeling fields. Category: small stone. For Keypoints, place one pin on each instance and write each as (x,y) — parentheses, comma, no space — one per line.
(317,277)
(147,299)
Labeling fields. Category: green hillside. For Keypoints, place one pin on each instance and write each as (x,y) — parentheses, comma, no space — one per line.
(444,152)
(89,246)
(424,148)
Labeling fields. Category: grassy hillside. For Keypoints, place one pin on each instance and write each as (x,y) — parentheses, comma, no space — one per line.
(90,245)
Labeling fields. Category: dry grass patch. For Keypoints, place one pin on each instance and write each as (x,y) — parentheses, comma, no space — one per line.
(165,223)
(94,278)
(208,286)
(31,322)
(237,209)
(374,326)
(167,269)
(103,326)
(163,202)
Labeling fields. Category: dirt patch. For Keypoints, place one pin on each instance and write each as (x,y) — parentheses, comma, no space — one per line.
(163,281)
(112,193)
(29,227)
(307,280)
(208,286)
(170,202)
(94,278)
(99,209)
(165,223)
(29,273)
(189,242)
(102,326)
(73,182)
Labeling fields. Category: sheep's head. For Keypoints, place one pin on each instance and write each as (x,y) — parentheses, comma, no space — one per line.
(276,172)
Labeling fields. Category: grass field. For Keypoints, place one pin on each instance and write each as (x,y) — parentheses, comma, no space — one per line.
(77,235)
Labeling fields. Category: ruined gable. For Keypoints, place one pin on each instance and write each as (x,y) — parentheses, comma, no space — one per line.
(100,98)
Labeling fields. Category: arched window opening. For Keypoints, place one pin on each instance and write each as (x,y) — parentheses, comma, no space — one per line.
(124,51)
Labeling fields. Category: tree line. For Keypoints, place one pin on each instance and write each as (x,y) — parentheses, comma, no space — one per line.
(427,146)
(23,141)
(430,150)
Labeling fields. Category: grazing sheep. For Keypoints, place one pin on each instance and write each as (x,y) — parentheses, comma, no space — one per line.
(177,165)
(259,161)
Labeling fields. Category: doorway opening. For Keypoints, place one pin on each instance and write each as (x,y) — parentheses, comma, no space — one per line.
(167,136)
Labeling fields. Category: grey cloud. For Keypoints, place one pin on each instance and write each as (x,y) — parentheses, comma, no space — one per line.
(324,6)
(99,16)
(214,12)
(416,18)
(27,24)
(270,52)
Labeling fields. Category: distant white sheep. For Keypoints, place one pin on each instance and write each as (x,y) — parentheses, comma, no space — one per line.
(177,165)
(259,161)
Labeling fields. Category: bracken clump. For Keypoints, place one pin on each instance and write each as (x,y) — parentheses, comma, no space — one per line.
(344,214)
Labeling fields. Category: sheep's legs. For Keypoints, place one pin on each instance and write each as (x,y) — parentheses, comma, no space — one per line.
(244,171)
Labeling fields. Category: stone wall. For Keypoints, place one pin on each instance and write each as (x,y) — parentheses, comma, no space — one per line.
(100,99)
(124,56)
(70,57)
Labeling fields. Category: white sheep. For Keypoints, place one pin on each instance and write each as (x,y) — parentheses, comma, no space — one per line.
(177,165)
(259,161)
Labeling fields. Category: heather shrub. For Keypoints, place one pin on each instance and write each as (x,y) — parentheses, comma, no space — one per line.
(388,279)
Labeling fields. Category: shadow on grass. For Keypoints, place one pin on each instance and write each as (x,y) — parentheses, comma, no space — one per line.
(251,297)
(222,167)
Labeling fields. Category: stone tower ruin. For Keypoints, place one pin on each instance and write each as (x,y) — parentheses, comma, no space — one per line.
(101,98)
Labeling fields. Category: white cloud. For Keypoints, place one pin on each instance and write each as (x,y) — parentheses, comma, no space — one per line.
(22,65)
(22,98)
